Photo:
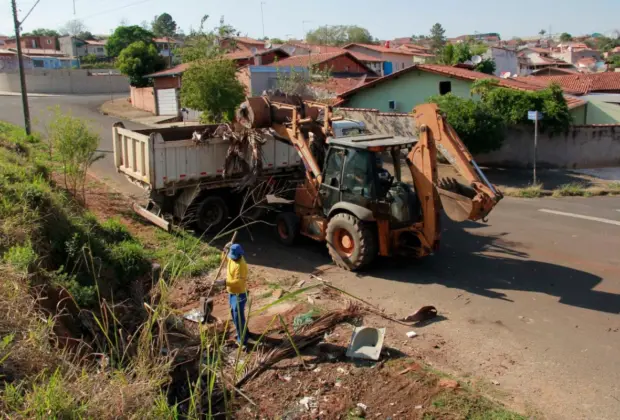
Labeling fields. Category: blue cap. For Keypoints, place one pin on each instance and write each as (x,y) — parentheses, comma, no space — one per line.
(236,252)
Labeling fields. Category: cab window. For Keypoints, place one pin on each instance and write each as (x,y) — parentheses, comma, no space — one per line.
(333,167)
(358,174)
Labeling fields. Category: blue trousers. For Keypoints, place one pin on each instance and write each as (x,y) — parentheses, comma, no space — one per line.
(237,310)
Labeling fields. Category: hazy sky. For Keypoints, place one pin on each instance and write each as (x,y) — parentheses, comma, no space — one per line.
(288,18)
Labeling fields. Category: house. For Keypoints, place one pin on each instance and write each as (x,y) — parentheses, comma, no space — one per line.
(242,43)
(32,42)
(573,55)
(393,59)
(76,47)
(601,91)
(339,63)
(491,38)
(40,52)
(258,57)
(534,58)
(2,39)
(166,46)
(608,55)
(96,48)
(54,62)
(9,62)
(506,60)
(405,89)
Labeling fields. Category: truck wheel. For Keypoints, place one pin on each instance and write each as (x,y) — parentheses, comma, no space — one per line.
(212,214)
(351,244)
(287,226)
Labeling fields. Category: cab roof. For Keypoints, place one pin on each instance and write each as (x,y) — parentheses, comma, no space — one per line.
(373,142)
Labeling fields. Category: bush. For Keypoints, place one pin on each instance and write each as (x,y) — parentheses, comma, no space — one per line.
(129,259)
(480,128)
(114,231)
(75,144)
(138,60)
(21,257)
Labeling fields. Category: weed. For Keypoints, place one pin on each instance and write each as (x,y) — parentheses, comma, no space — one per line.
(129,259)
(613,188)
(21,257)
(531,191)
(573,189)
(114,231)
(467,406)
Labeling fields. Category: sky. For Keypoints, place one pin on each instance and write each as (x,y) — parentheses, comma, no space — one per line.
(291,18)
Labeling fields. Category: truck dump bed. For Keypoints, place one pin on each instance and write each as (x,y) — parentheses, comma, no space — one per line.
(163,158)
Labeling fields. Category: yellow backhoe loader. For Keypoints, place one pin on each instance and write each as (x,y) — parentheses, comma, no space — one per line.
(349,201)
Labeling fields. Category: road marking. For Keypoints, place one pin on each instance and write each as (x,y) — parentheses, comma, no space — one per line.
(581,216)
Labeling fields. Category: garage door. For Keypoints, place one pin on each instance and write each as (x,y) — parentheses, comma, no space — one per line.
(167,102)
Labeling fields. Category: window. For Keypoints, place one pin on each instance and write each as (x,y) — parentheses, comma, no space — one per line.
(49,42)
(38,64)
(402,66)
(445,87)
(333,167)
(358,176)
(100,49)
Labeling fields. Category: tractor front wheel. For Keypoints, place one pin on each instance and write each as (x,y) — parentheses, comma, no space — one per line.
(351,243)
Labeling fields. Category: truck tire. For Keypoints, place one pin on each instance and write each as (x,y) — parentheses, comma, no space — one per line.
(351,243)
(212,214)
(287,227)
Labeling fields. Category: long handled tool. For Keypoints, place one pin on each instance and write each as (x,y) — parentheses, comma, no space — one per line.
(206,302)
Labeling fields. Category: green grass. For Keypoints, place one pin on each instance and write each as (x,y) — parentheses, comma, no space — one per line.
(463,405)
(573,189)
(531,191)
(182,254)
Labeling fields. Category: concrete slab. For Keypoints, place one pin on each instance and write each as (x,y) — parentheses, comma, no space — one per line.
(366,343)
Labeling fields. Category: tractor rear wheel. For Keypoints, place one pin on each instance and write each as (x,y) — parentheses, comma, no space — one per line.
(351,243)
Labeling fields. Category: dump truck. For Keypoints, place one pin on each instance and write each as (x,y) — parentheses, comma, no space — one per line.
(355,206)
(183,169)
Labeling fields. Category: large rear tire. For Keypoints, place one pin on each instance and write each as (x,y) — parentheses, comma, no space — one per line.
(287,227)
(351,243)
(212,214)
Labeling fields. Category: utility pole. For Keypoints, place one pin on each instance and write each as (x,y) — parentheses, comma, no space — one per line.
(22,75)
(262,17)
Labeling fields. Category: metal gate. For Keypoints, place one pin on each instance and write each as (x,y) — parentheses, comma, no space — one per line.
(167,103)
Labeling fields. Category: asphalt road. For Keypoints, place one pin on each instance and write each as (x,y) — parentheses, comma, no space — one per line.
(530,300)
(82,106)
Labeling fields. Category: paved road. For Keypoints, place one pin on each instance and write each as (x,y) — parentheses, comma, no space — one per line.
(531,299)
(82,106)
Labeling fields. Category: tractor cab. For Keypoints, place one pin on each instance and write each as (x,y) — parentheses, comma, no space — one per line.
(355,179)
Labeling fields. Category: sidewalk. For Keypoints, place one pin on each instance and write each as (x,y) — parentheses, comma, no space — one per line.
(33,95)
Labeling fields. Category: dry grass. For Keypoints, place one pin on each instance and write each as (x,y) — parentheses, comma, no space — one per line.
(532,191)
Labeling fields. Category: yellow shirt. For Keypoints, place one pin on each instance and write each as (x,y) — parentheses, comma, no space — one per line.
(237,275)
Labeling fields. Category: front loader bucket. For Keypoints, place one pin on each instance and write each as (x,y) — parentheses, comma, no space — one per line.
(458,207)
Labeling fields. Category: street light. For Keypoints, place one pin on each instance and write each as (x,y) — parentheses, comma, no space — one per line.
(262,17)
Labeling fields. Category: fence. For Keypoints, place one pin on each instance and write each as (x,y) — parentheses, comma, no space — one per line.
(144,98)
(582,146)
(64,81)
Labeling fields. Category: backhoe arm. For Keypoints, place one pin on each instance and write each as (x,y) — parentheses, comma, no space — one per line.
(460,202)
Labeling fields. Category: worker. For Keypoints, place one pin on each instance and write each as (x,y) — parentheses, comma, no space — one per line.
(236,285)
(385,179)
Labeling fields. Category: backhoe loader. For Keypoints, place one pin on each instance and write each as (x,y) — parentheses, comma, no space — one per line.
(359,209)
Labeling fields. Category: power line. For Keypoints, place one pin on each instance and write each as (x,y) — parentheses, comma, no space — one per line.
(113,10)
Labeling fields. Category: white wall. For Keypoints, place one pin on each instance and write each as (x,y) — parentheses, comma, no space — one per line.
(64,81)
(505,61)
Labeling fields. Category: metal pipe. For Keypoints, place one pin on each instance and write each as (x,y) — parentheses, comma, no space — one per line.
(483,176)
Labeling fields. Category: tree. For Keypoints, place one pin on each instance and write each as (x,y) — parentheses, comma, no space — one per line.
(123,36)
(339,35)
(460,53)
(519,41)
(277,41)
(139,59)
(90,59)
(164,26)
(146,26)
(480,128)
(542,32)
(85,35)
(73,27)
(566,37)
(211,86)
(43,32)
(204,45)
(438,39)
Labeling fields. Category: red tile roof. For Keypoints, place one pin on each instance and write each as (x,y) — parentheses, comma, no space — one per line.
(365,57)
(165,39)
(313,59)
(246,40)
(463,74)
(581,83)
(340,85)
(380,49)
(172,71)
(94,42)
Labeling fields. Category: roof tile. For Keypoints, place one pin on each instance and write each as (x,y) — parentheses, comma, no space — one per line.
(380,49)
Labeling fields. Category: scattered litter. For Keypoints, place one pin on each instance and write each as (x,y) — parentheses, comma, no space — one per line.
(412,334)
(418,407)
(317,370)
(310,300)
(362,406)
(337,384)
(286,378)
(277,293)
(300,283)
(343,371)
(304,319)
(494,382)
(366,343)
(423,314)
(358,411)
(308,402)
(412,367)
(195,315)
